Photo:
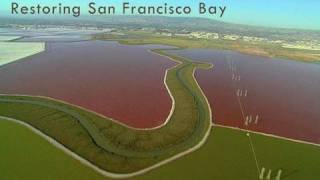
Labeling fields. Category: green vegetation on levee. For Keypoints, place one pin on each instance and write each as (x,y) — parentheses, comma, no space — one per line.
(226,155)
(112,146)
(136,37)
(13,51)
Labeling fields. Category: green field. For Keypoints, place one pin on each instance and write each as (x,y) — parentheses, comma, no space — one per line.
(226,155)
(114,147)
(26,155)
(13,51)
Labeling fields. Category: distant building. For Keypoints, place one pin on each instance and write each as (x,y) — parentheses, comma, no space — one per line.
(204,35)
(302,45)
(253,39)
(231,37)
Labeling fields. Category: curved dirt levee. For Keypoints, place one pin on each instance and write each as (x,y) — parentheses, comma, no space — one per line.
(186,131)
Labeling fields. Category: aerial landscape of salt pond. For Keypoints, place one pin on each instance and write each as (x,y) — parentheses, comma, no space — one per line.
(56,82)
(277,96)
(261,84)
(153,90)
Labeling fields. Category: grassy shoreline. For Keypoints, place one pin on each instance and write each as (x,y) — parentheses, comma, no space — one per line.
(259,49)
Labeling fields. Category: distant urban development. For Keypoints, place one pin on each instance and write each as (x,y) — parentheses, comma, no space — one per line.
(306,44)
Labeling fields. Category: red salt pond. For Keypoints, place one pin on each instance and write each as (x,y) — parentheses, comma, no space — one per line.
(279,97)
(118,81)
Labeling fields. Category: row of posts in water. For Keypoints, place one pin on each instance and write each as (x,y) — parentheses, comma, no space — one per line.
(264,175)
(249,119)
(242,93)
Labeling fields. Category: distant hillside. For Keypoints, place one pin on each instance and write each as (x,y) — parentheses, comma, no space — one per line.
(174,23)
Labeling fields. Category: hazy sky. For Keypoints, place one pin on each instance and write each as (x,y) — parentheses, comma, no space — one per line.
(276,13)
